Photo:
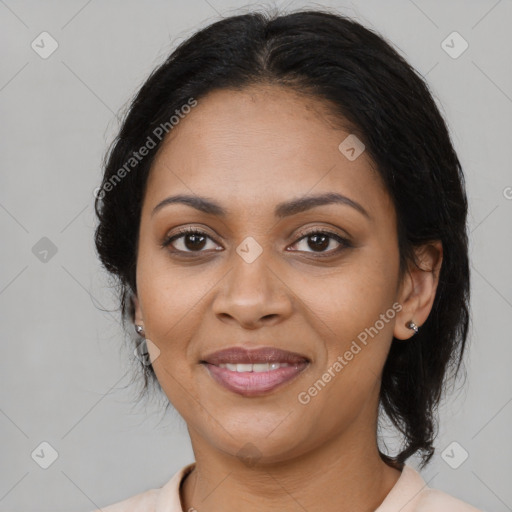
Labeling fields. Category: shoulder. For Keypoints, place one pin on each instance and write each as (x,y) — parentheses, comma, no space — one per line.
(412,494)
(431,500)
(142,502)
(434,500)
(165,498)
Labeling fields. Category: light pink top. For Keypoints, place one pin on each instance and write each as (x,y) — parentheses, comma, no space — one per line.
(409,494)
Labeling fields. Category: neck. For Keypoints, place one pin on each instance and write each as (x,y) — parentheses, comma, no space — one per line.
(346,473)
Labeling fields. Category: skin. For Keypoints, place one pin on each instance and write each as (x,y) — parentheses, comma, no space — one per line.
(250,150)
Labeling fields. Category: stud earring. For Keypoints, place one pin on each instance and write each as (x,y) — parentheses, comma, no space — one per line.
(140,330)
(413,326)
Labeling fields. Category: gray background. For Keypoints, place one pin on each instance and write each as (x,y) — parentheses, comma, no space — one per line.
(65,373)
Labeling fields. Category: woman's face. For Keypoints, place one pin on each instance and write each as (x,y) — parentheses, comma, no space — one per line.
(260,279)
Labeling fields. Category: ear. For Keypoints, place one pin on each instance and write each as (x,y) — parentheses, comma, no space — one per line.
(417,290)
(139,317)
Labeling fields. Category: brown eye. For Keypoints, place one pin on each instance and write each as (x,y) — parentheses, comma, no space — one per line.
(194,241)
(191,240)
(319,241)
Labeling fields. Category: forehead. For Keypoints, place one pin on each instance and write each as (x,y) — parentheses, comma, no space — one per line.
(257,144)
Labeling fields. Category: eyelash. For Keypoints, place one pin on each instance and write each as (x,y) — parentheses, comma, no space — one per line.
(344,242)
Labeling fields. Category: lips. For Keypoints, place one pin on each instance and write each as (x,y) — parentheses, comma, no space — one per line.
(241,355)
(254,372)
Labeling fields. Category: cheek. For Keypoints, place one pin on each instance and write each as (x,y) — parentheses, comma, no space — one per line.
(354,296)
(354,319)
(168,291)
(168,301)
(354,313)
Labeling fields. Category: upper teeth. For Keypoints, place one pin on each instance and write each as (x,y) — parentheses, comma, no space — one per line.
(258,367)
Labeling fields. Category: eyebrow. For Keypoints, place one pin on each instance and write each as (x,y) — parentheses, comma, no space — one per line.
(282,210)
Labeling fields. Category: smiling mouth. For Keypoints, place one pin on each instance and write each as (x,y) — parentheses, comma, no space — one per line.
(256,356)
(254,379)
(255,371)
(263,366)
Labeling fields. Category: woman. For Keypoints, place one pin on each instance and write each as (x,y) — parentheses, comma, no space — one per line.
(286,216)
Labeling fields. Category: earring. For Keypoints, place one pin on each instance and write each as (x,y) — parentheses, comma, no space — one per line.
(413,326)
(140,330)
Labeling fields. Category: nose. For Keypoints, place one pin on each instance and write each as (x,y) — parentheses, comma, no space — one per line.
(252,294)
